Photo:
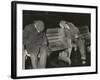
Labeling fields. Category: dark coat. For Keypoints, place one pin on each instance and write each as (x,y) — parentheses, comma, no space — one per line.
(33,40)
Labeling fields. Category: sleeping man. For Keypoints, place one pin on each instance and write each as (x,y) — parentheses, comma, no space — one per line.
(72,39)
(35,43)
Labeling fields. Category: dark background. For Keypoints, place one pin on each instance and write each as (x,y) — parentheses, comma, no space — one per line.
(52,19)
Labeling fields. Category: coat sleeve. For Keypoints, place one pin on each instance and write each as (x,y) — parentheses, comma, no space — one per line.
(44,40)
(26,33)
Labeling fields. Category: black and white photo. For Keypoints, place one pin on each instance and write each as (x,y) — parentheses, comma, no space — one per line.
(53,39)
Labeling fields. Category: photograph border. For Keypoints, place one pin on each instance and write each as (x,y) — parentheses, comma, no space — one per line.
(14,38)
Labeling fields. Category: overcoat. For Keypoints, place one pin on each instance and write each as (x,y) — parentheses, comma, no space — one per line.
(33,40)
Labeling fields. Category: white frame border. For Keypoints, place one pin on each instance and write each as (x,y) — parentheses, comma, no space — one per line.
(36,72)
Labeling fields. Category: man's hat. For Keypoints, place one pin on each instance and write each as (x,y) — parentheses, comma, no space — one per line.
(39,25)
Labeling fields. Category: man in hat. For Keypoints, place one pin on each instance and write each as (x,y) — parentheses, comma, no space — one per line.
(35,42)
(72,39)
